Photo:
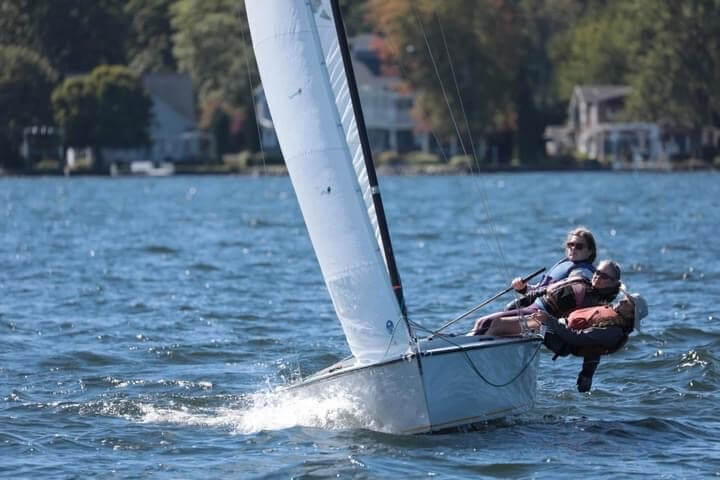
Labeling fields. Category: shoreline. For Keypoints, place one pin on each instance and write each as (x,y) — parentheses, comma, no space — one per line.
(400,170)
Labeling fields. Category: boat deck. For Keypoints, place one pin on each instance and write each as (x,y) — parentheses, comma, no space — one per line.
(430,346)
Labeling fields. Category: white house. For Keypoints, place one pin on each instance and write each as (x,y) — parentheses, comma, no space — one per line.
(596,130)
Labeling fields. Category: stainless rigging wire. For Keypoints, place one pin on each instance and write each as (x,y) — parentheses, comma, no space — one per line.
(476,163)
(247,46)
(472,365)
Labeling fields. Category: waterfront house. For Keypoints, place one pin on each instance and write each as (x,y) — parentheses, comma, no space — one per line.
(173,131)
(596,130)
(387,105)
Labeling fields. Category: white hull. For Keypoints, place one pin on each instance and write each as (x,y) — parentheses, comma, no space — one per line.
(472,380)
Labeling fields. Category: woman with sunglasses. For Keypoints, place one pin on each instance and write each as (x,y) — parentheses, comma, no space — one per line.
(580,253)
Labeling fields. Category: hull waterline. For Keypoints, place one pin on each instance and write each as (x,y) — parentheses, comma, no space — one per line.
(451,383)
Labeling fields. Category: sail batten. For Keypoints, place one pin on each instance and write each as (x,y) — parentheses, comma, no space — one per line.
(306,86)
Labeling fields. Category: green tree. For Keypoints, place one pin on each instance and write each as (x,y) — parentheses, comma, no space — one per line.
(75,109)
(150,41)
(402,24)
(534,100)
(26,80)
(675,48)
(212,44)
(234,130)
(499,52)
(668,52)
(355,16)
(74,35)
(595,51)
(107,108)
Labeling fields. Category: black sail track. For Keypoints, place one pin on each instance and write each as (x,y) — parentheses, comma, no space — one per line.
(369,164)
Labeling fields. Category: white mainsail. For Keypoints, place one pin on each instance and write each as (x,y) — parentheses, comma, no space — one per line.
(305,84)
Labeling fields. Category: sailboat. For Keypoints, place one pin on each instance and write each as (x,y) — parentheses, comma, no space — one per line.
(405,384)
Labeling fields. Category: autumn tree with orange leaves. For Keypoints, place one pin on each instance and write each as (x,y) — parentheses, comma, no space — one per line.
(488,57)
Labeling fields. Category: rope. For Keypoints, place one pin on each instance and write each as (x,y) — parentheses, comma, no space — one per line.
(437,74)
(476,163)
(246,46)
(472,364)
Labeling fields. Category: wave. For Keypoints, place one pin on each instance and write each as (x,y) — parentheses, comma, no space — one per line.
(271,410)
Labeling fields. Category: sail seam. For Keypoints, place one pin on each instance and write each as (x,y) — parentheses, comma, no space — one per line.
(338,274)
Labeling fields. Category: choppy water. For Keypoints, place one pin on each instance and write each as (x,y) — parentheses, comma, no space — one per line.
(145,322)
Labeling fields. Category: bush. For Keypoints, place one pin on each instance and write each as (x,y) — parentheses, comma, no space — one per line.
(237,161)
(388,158)
(421,158)
(47,166)
(461,162)
(259,159)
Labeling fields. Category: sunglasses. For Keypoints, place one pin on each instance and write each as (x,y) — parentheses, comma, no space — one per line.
(605,276)
(576,246)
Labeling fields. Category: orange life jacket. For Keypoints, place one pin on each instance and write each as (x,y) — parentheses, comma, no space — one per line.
(598,316)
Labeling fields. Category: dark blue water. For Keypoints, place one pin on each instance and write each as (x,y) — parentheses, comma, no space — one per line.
(145,323)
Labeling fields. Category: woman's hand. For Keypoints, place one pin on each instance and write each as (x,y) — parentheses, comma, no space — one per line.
(518,284)
(540,317)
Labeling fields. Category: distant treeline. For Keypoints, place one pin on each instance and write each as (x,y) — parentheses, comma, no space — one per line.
(514,63)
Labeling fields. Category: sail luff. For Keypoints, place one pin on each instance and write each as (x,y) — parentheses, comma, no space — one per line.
(369,164)
(295,43)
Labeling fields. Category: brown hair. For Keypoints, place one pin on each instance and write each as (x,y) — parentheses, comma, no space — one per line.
(586,235)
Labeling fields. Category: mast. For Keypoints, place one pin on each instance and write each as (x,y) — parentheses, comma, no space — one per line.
(369,163)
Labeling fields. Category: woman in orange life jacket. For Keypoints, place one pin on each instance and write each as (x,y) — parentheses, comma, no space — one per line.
(557,300)
(587,332)
(592,332)
(580,253)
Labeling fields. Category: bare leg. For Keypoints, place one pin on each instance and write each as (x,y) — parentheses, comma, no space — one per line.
(503,327)
(508,326)
(481,324)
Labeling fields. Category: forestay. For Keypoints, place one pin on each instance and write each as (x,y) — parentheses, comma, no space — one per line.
(305,84)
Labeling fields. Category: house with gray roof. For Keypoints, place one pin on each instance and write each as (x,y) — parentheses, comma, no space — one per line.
(595,129)
(173,130)
(386,105)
